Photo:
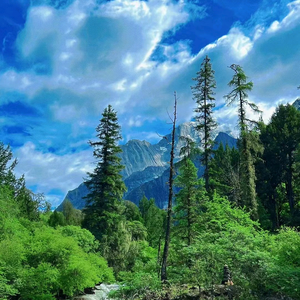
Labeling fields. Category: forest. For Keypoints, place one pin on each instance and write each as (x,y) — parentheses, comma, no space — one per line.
(240,219)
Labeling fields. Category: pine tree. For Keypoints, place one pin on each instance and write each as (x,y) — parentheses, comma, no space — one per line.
(203,92)
(103,212)
(239,94)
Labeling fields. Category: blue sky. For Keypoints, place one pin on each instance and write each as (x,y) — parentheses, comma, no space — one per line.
(63,61)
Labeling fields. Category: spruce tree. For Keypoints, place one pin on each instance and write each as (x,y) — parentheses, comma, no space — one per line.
(239,95)
(104,206)
(203,92)
(187,201)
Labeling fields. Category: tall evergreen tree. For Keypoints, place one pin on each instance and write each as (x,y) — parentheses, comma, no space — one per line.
(239,95)
(103,212)
(187,202)
(203,92)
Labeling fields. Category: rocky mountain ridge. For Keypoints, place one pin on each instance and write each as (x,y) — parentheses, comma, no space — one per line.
(146,166)
(138,155)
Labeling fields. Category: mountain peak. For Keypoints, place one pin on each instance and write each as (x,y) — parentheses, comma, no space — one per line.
(135,141)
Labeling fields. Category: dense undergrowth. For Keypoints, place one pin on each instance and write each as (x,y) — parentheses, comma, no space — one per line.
(38,262)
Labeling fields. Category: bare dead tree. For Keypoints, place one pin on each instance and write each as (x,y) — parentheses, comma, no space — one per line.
(169,211)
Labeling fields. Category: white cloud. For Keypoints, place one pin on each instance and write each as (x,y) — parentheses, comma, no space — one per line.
(95,54)
(274,27)
(67,113)
(135,121)
(49,171)
(239,44)
(43,13)
(293,15)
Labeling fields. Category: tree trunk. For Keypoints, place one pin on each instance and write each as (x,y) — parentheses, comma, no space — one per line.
(158,255)
(289,186)
(169,212)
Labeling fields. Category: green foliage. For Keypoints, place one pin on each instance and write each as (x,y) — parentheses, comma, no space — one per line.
(57,219)
(137,230)
(247,174)
(76,269)
(226,235)
(6,290)
(7,165)
(261,264)
(73,216)
(225,173)
(84,238)
(190,149)
(143,277)
(284,272)
(153,219)
(36,261)
(187,201)
(132,212)
(27,202)
(140,284)
(39,282)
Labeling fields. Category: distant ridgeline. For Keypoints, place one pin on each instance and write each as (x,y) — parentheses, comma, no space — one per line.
(146,166)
